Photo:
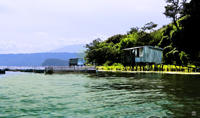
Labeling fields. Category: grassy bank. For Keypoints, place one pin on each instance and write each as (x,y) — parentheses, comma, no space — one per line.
(165,68)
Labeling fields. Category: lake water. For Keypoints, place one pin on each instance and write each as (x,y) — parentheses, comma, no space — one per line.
(84,95)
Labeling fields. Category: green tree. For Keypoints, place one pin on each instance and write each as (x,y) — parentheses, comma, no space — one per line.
(133,30)
(173,10)
(190,25)
(92,51)
(149,26)
(128,41)
(147,35)
(115,39)
(99,52)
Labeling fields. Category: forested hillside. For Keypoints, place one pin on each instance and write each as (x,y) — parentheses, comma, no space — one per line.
(179,39)
(55,62)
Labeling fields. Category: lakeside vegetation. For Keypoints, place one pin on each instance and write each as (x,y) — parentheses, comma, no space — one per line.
(179,39)
(163,68)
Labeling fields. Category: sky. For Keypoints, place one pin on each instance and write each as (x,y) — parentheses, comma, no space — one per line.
(30,26)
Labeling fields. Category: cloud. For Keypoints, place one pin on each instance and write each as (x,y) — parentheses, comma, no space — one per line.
(42,25)
(27,47)
(16,47)
(83,7)
(4,9)
(102,37)
(41,33)
(71,41)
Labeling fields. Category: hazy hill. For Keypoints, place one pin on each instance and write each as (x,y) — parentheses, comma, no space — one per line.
(34,59)
(77,48)
(55,62)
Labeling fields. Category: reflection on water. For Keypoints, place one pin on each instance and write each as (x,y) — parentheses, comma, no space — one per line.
(83,95)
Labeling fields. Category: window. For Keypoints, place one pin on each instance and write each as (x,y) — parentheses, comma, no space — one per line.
(141,52)
(138,52)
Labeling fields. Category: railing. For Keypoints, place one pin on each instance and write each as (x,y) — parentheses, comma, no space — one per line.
(22,67)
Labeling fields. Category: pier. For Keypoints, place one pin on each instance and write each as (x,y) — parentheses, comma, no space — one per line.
(49,69)
(67,69)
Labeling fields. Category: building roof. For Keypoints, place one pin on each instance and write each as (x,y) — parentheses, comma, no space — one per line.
(76,58)
(157,48)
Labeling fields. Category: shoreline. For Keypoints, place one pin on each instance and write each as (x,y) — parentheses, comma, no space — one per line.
(157,72)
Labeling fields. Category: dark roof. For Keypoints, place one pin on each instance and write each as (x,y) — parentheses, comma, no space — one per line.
(142,47)
(76,58)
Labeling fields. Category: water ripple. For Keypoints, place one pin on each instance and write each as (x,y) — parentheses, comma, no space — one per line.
(83,95)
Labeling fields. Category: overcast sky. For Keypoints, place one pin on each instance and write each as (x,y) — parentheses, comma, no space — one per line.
(29,26)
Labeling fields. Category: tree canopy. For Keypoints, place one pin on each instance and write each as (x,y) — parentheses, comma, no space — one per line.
(179,38)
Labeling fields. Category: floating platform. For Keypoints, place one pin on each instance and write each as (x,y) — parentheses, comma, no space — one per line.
(68,69)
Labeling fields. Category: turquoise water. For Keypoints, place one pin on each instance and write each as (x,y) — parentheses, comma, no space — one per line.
(83,95)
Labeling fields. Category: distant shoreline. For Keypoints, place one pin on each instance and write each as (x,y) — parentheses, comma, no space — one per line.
(157,72)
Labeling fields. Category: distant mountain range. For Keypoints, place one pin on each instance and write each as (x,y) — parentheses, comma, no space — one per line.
(56,57)
(35,59)
(55,62)
(77,48)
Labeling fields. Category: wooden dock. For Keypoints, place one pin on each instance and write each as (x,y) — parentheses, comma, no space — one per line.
(67,69)
(49,69)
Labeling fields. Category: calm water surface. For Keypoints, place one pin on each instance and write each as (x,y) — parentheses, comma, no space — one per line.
(84,95)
